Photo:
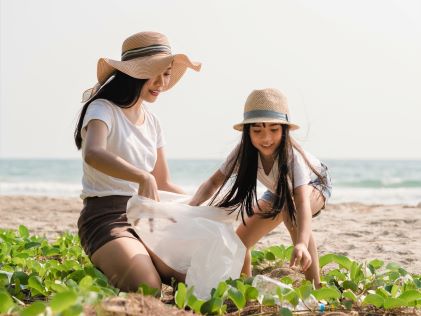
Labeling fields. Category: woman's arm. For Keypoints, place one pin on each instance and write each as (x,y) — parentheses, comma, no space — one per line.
(303,207)
(162,174)
(99,158)
(208,188)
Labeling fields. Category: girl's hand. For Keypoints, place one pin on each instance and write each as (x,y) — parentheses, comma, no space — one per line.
(148,187)
(300,255)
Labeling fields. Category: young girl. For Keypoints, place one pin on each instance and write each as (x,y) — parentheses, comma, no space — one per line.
(123,155)
(297,183)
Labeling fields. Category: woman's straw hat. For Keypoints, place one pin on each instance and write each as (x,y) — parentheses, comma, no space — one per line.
(144,55)
(266,106)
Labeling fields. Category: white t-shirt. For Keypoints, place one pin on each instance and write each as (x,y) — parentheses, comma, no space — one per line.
(137,144)
(301,171)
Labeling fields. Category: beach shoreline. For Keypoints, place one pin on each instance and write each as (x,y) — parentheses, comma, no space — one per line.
(359,231)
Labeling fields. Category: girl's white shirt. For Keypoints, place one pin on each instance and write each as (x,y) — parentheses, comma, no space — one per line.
(301,171)
(136,144)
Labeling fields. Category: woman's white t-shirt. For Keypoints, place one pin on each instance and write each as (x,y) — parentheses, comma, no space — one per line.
(301,171)
(137,144)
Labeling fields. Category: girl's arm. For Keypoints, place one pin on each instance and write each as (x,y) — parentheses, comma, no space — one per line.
(99,158)
(208,188)
(303,207)
(162,174)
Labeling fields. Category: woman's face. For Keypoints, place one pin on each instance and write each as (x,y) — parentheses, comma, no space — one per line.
(154,86)
(266,137)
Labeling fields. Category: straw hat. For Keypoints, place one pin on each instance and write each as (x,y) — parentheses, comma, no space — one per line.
(144,55)
(266,106)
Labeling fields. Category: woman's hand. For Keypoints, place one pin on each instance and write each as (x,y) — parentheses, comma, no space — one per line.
(148,187)
(300,255)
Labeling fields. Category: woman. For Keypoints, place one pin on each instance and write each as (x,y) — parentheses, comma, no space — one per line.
(122,149)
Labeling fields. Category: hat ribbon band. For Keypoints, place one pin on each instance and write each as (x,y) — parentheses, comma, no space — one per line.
(265,113)
(145,51)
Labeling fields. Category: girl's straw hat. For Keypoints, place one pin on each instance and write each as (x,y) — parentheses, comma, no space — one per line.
(266,106)
(144,55)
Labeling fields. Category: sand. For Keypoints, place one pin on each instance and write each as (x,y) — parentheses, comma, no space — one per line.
(388,232)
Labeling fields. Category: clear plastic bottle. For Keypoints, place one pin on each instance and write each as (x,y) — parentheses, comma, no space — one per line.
(268,286)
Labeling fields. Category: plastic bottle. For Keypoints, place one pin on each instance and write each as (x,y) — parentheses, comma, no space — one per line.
(268,286)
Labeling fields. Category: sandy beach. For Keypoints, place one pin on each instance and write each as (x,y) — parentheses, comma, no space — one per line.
(362,232)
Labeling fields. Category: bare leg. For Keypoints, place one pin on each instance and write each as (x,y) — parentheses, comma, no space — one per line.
(257,227)
(127,263)
(313,272)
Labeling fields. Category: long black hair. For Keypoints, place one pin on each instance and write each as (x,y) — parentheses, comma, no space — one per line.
(242,194)
(122,90)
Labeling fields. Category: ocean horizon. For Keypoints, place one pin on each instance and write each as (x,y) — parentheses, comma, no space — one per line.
(363,181)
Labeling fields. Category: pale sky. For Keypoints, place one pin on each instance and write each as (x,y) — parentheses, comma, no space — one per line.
(351,71)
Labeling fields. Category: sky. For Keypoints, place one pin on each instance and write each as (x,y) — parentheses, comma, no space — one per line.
(351,71)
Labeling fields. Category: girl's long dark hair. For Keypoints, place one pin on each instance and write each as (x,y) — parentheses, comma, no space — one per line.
(122,90)
(242,190)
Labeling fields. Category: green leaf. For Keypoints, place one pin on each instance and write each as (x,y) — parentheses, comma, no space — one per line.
(270,256)
(376,263)
(288,253)
(35,283)
(74,310)
(86,283)
(236,297)
(382,292)
(343,261)
(393,266)
(291,296)
(34,309)
(286,280)
(410,296)
(196,305)
(326,293)
(391,302)
(146,290)
(214,305)
(326,259)
(6,302)
(268,300)
(23,231)
(350,285)
(350,295)
(374,299)
(337,274)
(395,290)
(31,244)
(62,301)
(4,279)
(251,293)
(285,312)
(21,276)
(356,273)
(277,251)
(305,289)
(220,290)
(181,296)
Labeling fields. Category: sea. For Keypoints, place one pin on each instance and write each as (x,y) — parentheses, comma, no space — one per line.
(363,181)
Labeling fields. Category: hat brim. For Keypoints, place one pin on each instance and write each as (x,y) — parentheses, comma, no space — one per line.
(239,126)
(147,67)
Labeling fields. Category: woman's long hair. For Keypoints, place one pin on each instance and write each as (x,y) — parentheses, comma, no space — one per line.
(122,90)
(242,194)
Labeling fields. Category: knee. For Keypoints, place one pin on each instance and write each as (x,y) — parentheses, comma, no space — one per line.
(131,283)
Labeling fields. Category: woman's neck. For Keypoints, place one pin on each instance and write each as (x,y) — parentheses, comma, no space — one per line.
(135,113)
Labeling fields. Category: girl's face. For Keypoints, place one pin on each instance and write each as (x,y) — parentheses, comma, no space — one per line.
(154,86)
(266,137)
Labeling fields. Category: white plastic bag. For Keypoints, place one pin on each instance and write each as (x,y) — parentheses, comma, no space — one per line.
(198,241)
